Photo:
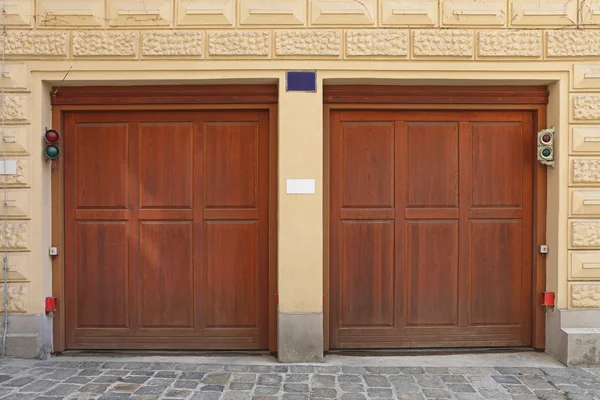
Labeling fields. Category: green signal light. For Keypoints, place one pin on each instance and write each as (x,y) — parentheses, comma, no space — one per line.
(546,152)
(52,151)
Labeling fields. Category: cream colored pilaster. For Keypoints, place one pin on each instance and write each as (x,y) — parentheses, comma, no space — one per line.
(300,227)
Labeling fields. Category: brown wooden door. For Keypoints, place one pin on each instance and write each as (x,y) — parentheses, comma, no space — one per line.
(166,229)
(431,229)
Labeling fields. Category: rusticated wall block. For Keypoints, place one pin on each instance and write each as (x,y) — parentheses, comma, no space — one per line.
(36,43)
(586,107)
(105,43)
(308,43)
(585,295)
(443,42)
(573,43)
(172,43)
(510,43)
(385,42)
(238,43)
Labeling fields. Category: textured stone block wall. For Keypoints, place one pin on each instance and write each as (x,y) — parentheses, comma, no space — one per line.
(584,188)
(15,236)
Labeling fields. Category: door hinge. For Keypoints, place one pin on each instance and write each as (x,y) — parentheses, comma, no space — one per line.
(543,249)
(53,251)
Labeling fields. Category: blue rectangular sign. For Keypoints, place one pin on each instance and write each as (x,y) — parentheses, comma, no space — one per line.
(301,81)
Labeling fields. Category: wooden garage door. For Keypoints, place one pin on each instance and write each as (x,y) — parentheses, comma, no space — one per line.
(166,229)
(431,229)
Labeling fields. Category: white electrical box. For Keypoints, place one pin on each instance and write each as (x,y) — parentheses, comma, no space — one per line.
(8,167)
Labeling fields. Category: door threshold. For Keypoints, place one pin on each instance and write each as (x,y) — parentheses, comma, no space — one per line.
(163,353)
(428,351)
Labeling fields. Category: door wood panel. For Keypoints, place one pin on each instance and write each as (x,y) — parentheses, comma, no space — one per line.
(167,229)
(430,228)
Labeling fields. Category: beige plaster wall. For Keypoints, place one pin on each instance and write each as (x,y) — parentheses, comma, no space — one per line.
(554,43)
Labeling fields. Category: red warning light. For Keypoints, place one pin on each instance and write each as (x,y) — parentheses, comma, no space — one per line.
(546,138)
(51,136)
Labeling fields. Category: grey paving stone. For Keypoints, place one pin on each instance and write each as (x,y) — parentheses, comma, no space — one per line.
(354,370)
(327,370)
(437,394)
(125,387)
(142,373)
(353,396)
(265,398)
(518,389)
(80,380)
(116,372)
(536,382)
(177,393)
(266,390)
(383,370)
(270,380)
(377,381)
(324,393)
(90,372)
(460,387)
(138,365)
(26,396)
(185,384)
(549,394)
(295,396)
(412,370)
(94,388)
(453,378)
(398,379)
(207,396)
(134,379)
(429,381)
(531,371)
(113,365)
(151,390)
(64,389)
(38,386)
(209,367)
(212,388)
(379,392)
(260,368)
(472,370)
(349,378)
(114,396)
(508,370)
(296,378)
(295,387)
(106,379)
(493,394)
(352,387)
(185,367)
(406,387)
(437,370)
(323,381)
(220,378)
(166,374)
(241,386)
(467,396)
(506,379)
(243,377)
(280,369)
(410,396)
(302,369)
(237,368)
(18,382)
(236,396)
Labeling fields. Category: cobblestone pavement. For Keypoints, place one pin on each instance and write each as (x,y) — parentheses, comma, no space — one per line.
(108,380)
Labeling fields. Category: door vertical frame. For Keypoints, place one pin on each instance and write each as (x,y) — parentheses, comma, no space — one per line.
(173,98)
(535,101)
